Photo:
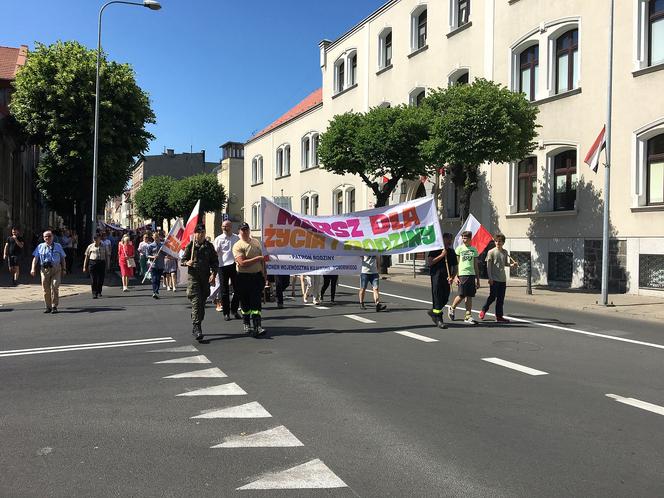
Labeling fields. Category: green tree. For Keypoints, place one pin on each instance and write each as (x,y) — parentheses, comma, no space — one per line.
(53,102)
(384,142)
(152,199)
(476,123)
(186,192)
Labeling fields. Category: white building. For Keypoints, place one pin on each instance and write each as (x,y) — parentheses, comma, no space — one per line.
(549,204)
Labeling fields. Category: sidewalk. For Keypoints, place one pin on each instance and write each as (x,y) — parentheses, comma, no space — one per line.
(627,305)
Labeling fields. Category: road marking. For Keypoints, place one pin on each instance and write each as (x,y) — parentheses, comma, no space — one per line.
(360,319)
(514,366)
(82,347)
(644,405)
(322,308)
(231,389)
(189,359)
(248,410)
(207,373)
(544,325)
(181,349)
(415,336)
(311,475)
(279,437)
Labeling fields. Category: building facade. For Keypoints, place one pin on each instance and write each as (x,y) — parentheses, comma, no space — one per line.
(549,204)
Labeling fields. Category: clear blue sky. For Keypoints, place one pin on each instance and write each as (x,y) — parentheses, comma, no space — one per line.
(216,70)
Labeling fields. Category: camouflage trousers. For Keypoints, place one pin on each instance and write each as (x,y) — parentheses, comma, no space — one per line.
(197,292)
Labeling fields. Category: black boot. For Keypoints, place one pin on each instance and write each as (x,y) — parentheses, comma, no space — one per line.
(258,328)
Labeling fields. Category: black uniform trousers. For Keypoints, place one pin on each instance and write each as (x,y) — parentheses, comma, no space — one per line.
(228,277)
(440,291)
(250,288)
(97,273)
(283,281)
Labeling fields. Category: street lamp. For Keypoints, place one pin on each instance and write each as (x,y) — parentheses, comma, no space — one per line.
(152,5)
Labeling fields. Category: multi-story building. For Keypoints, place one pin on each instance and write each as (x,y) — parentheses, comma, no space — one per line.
(548,204)
(230,175)
(167,164)
(20,202)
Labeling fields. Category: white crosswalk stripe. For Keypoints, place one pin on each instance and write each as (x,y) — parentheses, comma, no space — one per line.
(413,335)
(181,349)
(248,410)
(360,319)
(196,374)
(311,475)
(188,359)
(231,389)
(279,437)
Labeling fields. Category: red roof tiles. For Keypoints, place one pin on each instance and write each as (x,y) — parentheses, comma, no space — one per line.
(312,100)
(11,59)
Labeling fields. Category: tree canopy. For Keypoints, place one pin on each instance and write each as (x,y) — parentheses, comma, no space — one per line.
(184,194)
(53,102)
(383,142)
(152,198)
(477,123)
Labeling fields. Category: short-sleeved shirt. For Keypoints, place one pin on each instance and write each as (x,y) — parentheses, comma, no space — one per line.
(440,268)
(153,250)
(97,253)
(14,249)
(467,257)
(496,261)
(249,250)
(223,244)
(53,254)
(369,265)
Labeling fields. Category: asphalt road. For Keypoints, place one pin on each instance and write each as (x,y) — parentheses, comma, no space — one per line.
(351,408)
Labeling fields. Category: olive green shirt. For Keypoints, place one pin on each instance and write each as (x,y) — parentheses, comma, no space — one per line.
(205,260)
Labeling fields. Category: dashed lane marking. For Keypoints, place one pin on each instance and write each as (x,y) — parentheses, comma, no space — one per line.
(248,410)
(538,324)
(231,389)
(181,349)
(514,366)
(322,308)
(644,405)
(82,347)
(207,373)
(189,359)
(415,336)
(360,319)
(311,475)
(279,437)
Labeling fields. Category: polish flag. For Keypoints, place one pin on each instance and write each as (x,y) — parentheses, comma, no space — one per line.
(481,236)
(191,225)
(592,158)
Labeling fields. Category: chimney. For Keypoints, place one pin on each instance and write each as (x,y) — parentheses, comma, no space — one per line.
(323,45)
(170,152)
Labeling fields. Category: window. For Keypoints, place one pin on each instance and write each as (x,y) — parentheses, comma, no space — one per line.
(655,171)
(522,259)
(340,76)
(567,61)
(529,71)
(306,204)
(315,139)
(561,267)
(279,163)
(352,77)
(463,12)
(462,80)
(306,148)
(350,201)
(282,162)
(257,170)
(418,20)
(417,96)
(310,150)
(338,202)
(655,32)
(527,186)
(651,271)
(310,204)
(256,216)
(564,178)
(314,205)
(286,170)
(385,48)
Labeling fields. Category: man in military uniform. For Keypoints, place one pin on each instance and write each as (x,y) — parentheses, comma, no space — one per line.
(201,259)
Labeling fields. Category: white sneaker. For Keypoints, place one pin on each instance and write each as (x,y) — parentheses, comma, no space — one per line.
(469,319)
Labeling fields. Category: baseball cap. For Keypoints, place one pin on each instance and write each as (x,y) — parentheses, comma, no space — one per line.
(244,226)
(199,228)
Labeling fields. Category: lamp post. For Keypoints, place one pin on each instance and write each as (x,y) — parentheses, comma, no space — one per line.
(152,5)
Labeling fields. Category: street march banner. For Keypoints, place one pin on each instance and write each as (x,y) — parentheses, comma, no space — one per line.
(399,229)
(481,236)
(312,264)
(173,241)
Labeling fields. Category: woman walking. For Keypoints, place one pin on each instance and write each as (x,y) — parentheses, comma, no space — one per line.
(126,261)
(170,272)
(143,254)
(96,258)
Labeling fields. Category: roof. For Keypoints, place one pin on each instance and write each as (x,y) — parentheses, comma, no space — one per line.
(312,100)
(11,59)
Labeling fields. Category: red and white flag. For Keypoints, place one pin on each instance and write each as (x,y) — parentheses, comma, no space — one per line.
(191,225)
(592,158)
(481,236)
(173,241)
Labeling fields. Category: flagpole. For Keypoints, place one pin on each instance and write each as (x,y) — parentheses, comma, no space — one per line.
(607,170)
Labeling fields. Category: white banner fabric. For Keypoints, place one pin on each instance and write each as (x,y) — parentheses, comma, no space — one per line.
(309,264)
(399,229)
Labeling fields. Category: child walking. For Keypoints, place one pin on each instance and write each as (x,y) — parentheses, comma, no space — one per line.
(467,279)
(496,261)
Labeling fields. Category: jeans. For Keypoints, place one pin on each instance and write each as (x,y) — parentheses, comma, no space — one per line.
(156,279)
(496,293)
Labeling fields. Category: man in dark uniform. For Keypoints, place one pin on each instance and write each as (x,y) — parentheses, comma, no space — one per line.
(442,268)
(201,259)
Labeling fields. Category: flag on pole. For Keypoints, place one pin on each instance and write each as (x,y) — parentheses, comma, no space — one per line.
(481,236)
(592,158)
(173,241)
(190,226)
